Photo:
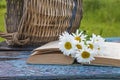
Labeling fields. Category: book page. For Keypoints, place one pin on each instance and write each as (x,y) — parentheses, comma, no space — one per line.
(112,50)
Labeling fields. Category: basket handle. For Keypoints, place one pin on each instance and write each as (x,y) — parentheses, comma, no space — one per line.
(73,16)
(13,37)
(6,35)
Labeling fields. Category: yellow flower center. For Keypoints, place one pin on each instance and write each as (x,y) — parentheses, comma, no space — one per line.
(91,46)
(79,46)
(97,40)
(77,38)
(98,48)
(68,45)
(85,54)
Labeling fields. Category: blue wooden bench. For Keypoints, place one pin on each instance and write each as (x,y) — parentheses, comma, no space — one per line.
(13,67)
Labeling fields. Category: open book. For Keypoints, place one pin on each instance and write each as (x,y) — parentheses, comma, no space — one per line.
(50,54)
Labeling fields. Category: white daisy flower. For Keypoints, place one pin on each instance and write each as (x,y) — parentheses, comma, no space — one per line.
(67,44)
(79,36)
(96,43)
(96,38)
(77,33)
(85,56)
(100,49)
(93,46)
(79,45)
(64,35)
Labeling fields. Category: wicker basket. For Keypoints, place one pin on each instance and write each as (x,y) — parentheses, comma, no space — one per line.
(35,21)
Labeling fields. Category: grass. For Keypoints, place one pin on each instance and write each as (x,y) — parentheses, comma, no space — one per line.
(2,12)
(100,17)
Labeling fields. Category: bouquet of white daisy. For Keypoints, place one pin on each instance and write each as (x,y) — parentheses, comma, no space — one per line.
(81,46)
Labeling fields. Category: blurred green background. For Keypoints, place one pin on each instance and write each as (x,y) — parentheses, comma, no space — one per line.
(2,13)
(102,17)
(99,17)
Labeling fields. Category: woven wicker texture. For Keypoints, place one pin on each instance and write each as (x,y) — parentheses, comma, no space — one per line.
(30,22)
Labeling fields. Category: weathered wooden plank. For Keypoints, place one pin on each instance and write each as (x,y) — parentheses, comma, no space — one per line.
(18,69)
(113,39)
(5,47)
(13,55)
